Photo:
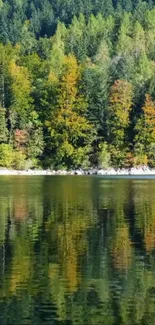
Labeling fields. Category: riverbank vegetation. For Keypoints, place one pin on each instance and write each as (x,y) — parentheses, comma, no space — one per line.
(77,84)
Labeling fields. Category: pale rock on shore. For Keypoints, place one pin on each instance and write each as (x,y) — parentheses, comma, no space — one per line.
(127,171)
(144,171)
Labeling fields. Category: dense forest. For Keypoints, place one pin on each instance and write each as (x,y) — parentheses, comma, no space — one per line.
(77,83)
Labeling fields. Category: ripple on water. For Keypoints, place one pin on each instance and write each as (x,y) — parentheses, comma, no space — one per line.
(77,251)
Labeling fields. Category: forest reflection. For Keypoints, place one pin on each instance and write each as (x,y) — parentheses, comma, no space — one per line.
(77,250)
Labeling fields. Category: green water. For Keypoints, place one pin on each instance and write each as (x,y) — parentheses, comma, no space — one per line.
(77,250)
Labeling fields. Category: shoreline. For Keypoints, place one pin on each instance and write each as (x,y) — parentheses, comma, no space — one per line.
(139,171)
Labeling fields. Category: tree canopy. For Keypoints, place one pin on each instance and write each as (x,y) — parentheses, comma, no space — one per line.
(77,83)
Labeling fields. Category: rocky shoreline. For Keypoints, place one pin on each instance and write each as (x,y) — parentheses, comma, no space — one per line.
(141,171)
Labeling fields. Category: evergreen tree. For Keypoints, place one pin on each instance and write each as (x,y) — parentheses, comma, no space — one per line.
(3,127)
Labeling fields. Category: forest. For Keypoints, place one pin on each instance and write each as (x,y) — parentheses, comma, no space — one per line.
(77,83)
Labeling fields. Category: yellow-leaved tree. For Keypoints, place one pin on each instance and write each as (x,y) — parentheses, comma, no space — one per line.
(120,106)
(21,100)
(71,133)
(145,134)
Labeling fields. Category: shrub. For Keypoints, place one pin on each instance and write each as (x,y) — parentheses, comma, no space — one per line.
(104,158)
(19,160)
(140,156)
(140,160)
(32,163)
(151,154)
(6,155)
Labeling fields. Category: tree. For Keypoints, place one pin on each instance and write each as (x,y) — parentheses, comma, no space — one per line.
(124,43)
(21,101)
(138,39)
(95,84)
(71,133)
(145,132)
(120,105)
(58,49)
(3,128)
(77,38)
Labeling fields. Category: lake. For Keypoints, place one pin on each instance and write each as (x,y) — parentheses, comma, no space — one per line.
(77,250)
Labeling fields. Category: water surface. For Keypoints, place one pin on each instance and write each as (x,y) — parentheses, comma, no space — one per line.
(77,250)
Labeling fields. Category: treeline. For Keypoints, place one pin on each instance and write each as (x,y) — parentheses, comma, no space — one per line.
(83,97)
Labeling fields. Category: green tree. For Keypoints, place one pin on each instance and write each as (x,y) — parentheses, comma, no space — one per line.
(3,128)
(120,105)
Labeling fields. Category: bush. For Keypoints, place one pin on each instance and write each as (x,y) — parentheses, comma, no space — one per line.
(140,156)
(6,155)
(104,158)
(19,160)
(80,158)
(151,155)
(32,163)
(140,160)
(121,158)
(11,158)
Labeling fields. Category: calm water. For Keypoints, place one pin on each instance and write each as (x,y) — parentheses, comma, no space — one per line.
(77,250)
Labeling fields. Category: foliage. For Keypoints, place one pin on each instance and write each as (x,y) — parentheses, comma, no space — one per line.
(6,155)
(145,141)
(20,90)
(19,162)
(74,76)
(70,131)
(119,119)
(104,156)
(3,127)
